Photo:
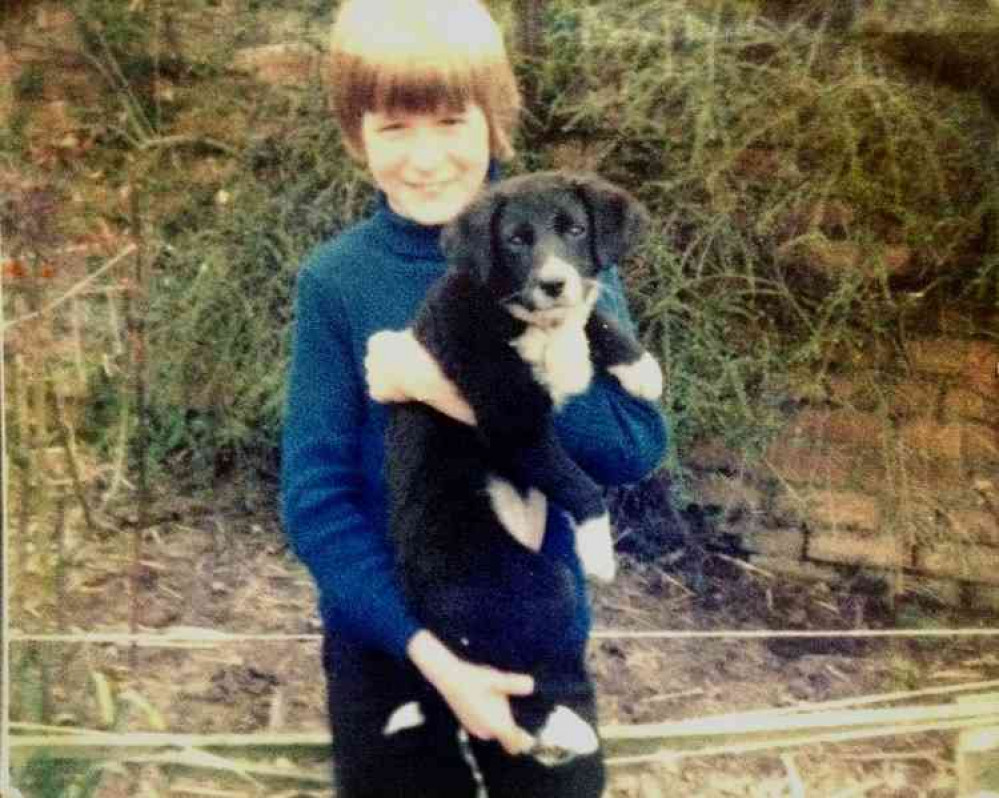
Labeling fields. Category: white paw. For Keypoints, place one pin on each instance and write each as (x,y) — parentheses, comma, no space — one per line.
(559,357)
(408,716)
(643,378)
(595,548)
(564,737)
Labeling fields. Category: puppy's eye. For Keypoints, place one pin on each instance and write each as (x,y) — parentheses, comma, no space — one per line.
(576,230)
(518,240)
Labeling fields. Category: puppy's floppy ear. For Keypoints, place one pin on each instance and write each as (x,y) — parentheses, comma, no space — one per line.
(618,221)
(469,240)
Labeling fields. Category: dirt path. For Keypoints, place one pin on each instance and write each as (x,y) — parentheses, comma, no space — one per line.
(230,570)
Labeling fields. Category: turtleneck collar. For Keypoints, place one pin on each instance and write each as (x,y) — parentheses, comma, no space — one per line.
(412,239)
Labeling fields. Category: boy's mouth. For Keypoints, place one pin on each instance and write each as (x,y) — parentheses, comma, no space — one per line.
(430,188)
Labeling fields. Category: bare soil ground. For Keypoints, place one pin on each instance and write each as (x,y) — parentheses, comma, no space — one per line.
(222,564)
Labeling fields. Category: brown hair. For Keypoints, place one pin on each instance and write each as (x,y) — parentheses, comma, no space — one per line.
(420,56)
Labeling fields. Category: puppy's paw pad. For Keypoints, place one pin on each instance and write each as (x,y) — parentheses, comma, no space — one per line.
(643,378)
(564,737)
(595,548)
(407,716)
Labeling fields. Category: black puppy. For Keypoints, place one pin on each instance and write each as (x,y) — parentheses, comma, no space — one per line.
(512,325)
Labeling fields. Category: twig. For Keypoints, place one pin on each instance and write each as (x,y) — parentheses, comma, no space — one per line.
(858,790)
(746,566)
(876,698)
(59,572)
(26,433)
(113,324)
(766,634)
(199,635)
(757,723)
(178,635)
(135,324)
(797,741)
(899,756)
(674,696)
(72,291)
(156,740)
(180,140)
(795,784)
(677,583)
(48,728)
(66,442)
(120,459)
(81,372)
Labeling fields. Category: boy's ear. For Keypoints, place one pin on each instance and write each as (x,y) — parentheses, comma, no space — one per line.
(469,240)
(618,220)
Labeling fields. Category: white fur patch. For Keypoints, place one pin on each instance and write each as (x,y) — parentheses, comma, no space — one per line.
(564,737)
(559,358)
(643,378)
(523,517)
(555,344)
(407,716)
(595,548)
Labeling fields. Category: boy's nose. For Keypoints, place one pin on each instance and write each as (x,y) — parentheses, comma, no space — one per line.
(427,152)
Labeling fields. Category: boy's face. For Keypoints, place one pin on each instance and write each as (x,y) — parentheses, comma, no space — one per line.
(430,165)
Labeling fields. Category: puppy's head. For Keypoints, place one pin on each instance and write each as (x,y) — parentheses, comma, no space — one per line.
(539,241)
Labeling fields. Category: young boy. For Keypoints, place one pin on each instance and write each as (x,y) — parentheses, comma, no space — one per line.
(426,100)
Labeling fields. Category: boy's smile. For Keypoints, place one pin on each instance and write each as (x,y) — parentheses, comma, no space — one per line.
(430,165)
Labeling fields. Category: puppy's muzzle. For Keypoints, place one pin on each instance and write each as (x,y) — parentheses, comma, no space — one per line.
(554,283)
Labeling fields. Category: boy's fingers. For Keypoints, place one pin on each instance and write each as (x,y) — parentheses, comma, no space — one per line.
(516,741)
(514,683)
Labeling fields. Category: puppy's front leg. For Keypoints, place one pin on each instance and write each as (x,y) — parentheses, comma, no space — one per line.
(622,356)
(546,465)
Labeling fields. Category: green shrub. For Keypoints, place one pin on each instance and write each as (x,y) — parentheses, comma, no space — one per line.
(789,170)
(222,294)
(786,168)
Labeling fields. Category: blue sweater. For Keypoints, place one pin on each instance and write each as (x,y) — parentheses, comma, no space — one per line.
(334,500)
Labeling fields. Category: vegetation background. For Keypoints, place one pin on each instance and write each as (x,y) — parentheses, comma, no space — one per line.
(824,180)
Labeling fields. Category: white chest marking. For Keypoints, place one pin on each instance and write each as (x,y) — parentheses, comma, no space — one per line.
(522,516)
(559,358)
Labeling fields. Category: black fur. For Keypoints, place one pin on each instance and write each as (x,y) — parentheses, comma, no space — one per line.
(487,595)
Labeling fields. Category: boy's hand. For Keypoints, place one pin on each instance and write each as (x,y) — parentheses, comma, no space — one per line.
(478,695)
(399,369)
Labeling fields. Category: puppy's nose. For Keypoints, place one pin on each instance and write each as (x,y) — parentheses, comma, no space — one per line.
(552,288)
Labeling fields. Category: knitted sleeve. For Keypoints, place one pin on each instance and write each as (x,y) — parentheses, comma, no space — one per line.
(321,477)
(615,437)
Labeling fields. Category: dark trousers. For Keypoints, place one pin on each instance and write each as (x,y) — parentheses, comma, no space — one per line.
(365,687)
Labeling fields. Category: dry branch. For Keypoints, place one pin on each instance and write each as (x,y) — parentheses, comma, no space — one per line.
(73,291)
(623,744)
(200,636)
(753,723)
